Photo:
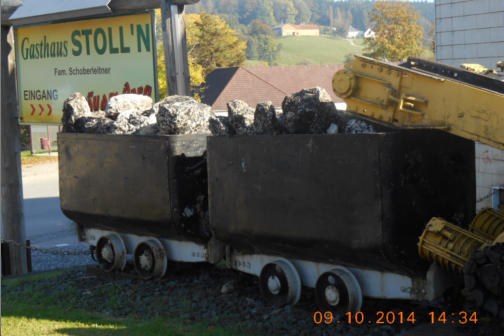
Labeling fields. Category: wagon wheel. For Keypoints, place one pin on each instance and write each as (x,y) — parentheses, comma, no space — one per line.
(280,283)
(338,290)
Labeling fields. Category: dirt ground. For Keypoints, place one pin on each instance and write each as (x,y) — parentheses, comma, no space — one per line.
(193,293)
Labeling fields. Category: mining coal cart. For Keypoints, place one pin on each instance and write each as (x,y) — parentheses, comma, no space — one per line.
(340,214)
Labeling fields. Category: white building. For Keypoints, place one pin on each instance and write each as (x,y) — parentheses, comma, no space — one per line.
(472,31)
(353,33)
(369,33)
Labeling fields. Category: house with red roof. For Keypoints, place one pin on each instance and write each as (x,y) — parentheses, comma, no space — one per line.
(257,84)
(297,30)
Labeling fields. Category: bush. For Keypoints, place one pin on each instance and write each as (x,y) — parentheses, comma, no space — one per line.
(25,137)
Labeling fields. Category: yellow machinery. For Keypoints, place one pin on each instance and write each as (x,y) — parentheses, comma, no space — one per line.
(413,97)
(451,246)
(424,94)
(448,245)
(488,224)
(478,68)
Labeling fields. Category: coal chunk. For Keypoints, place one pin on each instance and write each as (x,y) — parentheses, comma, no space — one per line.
(182,115)
(218,125)
(96,125)
(148,130)
(74,107)
(356,126)
(332,129)
(304,112)
(240,118)
(125,102)
(132,121)
(265,120)
(325,116)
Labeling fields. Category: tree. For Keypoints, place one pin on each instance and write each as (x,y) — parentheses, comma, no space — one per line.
(432,35)
(264,11)
(284,11)
(25,136)
(195,72)
(249,10)
(212,44)
(261,43)
(398,34)
(304,12)
(257,27)
(342,21)
(267,48)
(246,10)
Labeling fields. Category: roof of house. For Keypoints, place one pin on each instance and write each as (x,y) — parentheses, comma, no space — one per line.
(306,26)
(257,84)
(298,27)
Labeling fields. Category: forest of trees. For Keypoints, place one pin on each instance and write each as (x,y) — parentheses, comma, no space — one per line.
(253,19)
(338,14)
(221,33)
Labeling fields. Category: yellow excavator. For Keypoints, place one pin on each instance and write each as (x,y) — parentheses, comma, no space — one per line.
(466,101)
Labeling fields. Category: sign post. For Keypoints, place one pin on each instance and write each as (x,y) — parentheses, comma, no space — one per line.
(175,47)
(99,58)
(50,71)
(13,227)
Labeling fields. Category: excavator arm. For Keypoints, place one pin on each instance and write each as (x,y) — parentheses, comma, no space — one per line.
(422,94)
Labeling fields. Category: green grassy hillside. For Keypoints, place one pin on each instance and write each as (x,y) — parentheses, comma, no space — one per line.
(315,50)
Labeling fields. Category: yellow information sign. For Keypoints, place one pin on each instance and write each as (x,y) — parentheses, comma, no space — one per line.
(99,58)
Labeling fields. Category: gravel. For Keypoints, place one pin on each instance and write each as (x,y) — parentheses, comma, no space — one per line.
(42,261)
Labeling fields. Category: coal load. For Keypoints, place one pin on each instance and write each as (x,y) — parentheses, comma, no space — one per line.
(309,111)
(135,114)
(125,114)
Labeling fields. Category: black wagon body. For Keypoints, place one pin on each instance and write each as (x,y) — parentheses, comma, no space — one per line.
(135,184)
(354,199)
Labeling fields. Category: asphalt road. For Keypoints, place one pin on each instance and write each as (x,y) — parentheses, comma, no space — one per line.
(46,226)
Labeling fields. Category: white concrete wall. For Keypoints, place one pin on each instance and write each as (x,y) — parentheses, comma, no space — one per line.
(489,173)
(472,31)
